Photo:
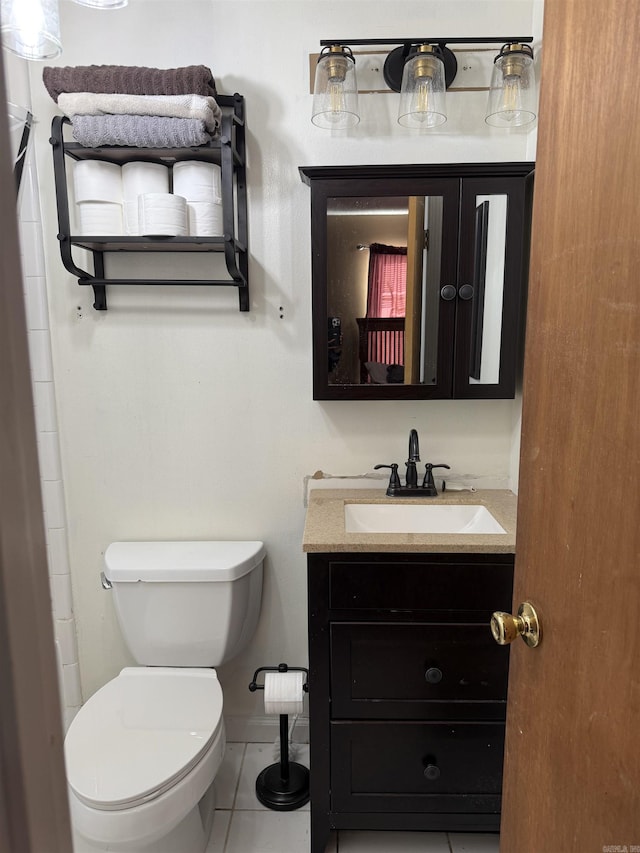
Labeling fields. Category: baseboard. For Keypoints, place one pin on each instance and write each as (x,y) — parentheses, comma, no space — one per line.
(264,729)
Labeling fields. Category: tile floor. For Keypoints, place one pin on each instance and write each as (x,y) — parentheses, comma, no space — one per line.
(243,825)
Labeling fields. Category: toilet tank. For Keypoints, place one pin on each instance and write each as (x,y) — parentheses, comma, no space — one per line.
(186,603)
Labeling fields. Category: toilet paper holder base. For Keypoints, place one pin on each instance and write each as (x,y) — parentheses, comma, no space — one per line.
(283,786)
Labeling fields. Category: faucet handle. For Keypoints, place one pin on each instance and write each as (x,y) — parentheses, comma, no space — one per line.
(394,479)
(428,482)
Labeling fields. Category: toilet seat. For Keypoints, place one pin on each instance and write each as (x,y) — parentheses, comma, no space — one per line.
(140,734)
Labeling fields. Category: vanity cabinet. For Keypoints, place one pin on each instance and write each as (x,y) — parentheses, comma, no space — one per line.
(408,689)
(227,150)
(453,328)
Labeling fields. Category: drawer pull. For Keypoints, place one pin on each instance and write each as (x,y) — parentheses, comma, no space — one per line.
(432,772)
(433,675)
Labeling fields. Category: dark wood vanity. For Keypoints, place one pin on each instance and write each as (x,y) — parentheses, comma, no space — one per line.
(408,691)
(407,688)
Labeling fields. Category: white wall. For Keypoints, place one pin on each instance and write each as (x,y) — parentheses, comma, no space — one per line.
(179,416)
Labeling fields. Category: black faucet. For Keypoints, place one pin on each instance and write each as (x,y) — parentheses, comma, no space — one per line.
(414,456)
(428,488)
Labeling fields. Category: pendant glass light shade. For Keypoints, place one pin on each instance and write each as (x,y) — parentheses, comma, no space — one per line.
(335,93)
(422,96)
(31,28)
(102,4)
(512,98)
(20,120)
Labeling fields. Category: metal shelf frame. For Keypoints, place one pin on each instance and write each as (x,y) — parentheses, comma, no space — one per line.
(228,151)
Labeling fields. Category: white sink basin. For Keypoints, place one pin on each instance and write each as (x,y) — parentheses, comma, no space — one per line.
(419,518)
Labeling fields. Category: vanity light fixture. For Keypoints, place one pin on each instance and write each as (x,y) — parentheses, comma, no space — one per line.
(335,94)
(421,70)
(512,97)
(31,28)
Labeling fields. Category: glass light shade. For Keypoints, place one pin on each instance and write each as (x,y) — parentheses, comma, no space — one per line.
(512,97)
(102,4)
(422,95)
(335,93)
(31,28)
(19,119)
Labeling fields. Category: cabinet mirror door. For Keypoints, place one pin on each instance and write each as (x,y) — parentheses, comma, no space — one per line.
(490,287)
(388,260)
(410,281)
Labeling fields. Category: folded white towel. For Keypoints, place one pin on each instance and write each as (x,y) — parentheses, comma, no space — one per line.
(174,106)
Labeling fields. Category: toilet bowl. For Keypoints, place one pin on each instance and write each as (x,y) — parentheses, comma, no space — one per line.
(140,755)
(143,752)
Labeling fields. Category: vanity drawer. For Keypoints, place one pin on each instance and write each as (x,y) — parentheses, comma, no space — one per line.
(436,583)
(382,670)
(416,767)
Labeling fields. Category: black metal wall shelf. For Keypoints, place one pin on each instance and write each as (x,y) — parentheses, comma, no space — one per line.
(227,151)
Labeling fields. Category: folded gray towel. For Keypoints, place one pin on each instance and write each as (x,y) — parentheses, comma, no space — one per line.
(129,80)
(171,106)
(139,131)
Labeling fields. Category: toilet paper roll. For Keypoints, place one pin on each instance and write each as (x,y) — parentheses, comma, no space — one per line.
(205,219)
(283,693)
(162,214)
(96,180)
(140,178)
(131,226)
(197,181)
(99,218)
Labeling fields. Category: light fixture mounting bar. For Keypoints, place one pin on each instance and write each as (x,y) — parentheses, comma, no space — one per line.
(441,40)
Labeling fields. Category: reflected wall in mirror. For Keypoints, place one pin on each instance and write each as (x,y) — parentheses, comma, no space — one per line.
(383,281)
(418,279)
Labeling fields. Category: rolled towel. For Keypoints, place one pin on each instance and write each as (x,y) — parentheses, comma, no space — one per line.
(139,131)
(173,106)
(129,80)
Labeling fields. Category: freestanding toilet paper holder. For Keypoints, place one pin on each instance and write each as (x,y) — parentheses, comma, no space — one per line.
(283,786)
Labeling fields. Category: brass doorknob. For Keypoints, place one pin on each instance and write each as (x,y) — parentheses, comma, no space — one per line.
(505,627)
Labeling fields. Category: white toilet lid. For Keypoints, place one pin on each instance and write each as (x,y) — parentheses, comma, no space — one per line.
(141,733)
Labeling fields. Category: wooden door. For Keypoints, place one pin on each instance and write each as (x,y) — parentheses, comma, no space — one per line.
(572,766)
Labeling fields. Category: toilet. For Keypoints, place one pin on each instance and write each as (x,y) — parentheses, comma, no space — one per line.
(143,752)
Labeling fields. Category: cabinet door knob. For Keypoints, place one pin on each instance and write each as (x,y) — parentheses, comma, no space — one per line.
(432,772)
(433,675)
(448,292)
(466,292)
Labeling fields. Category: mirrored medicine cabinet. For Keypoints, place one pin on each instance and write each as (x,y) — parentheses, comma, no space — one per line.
(419,279)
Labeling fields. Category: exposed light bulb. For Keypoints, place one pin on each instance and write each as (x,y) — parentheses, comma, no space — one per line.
(336,101)
(29,19)
(512,98)
(424,100)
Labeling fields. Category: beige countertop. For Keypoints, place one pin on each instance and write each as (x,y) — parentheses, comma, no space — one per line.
(324,526)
